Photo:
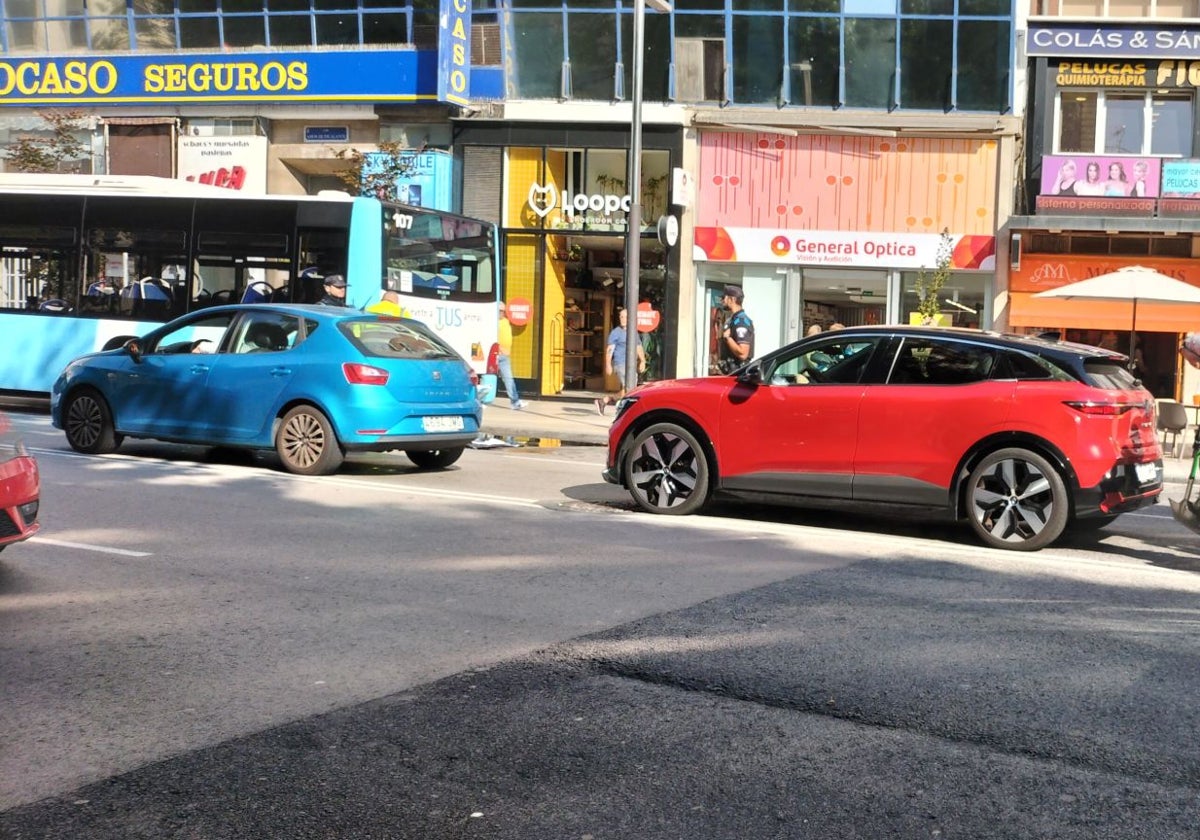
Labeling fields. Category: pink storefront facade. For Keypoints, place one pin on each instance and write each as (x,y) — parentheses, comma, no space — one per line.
(826,229)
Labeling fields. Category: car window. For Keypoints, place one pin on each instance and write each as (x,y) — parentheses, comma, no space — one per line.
(265,332)
(832,361)
(396,338)
(937,361)
(1109,373)
(199,335)
(1026,366)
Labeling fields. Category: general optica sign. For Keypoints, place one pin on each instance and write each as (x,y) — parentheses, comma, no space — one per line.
(344,75)
(840,248)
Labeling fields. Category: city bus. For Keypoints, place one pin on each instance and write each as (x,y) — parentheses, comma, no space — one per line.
(87,261)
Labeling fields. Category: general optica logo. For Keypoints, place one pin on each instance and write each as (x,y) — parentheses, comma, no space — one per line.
(780,246)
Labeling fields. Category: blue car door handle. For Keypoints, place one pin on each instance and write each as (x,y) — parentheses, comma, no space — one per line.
(200,368)
(281,371)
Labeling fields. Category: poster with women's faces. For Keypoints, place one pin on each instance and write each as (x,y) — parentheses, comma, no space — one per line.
(1112,177)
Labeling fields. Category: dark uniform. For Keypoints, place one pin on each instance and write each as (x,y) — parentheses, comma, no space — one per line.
(741,330)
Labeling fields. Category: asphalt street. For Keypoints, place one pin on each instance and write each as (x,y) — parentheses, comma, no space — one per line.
(887,680)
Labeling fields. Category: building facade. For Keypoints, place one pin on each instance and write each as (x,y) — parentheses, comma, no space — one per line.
(821,154)
(1112,176)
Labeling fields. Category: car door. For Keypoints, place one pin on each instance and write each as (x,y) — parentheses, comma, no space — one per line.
(159,394)
(259,361)
(939,399)
(795,432)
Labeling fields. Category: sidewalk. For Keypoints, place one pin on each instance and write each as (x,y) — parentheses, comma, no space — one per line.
(555,419)
(578,423)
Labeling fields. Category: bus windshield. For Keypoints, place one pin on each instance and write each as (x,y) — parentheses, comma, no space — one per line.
(438,257)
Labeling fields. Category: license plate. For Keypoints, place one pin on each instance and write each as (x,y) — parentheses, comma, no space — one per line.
(1146,473)
(442,424)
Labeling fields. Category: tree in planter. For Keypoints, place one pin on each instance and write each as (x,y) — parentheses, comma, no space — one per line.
(62,151)
(652,190)
(929,285)
(375,173)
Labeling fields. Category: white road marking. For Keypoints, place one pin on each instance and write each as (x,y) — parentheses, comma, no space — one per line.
(103,549)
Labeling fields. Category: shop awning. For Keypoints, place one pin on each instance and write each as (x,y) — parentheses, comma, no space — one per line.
(1027,311)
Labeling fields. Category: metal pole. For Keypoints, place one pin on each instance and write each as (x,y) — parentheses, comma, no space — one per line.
(633,233)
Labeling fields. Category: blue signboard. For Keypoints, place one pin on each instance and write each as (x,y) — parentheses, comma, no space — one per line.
(428,182)
(326,134)
(1076,40)
(1181,178)
(454,52)
(341,76)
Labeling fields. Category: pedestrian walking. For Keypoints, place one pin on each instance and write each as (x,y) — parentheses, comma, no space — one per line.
(504,340)
(614,359)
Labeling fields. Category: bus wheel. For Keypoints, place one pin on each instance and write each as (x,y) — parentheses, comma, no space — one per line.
(434,459)
(306,443)
(88,423)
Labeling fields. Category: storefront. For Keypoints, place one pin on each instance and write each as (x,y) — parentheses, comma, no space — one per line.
(563,209)
(829,230)
(1114,182)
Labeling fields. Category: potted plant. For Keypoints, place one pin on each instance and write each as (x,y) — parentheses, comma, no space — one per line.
(929,285)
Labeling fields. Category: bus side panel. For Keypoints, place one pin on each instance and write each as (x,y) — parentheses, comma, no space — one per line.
(35,348)
(364,282)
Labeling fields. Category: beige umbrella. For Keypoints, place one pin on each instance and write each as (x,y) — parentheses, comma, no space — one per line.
(1132,283)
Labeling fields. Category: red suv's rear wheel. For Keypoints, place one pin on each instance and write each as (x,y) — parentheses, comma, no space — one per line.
(1017,500)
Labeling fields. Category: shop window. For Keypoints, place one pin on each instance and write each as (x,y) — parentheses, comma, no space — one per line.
(1124,122)
(870,62)
(592,47)
(962,299)
(700,69)
(983,63)
(813,60)
(388,29)
(757,59)
(199,33)
(926,52)
(656,61)
(538,57)
(290,30)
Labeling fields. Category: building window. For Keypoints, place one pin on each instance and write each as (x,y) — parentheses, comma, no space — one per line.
(1117,122)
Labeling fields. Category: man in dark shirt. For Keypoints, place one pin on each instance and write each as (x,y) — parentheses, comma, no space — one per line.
(737,340)
(335,291)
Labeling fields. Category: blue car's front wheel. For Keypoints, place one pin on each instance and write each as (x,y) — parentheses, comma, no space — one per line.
(306,443)
(88,422)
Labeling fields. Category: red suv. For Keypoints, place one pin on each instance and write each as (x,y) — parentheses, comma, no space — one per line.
(19,488)
(1023,437)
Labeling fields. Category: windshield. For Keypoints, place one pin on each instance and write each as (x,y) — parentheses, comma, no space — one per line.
(437,255)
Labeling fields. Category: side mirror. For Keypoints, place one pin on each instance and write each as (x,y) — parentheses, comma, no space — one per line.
(751,374)
(134,348)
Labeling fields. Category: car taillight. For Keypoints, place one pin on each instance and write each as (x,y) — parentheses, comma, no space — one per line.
(1101,409)
(360,374)
(474,378)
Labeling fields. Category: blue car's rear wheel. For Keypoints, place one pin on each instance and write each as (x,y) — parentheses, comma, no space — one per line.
(306,443)
(88,423)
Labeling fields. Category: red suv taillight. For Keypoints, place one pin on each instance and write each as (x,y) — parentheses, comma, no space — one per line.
(1102,409)
(360,374)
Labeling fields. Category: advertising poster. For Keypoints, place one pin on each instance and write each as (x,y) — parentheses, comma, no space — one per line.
(235,163)
(1098,176)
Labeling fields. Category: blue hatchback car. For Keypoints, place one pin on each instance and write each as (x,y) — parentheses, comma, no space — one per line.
(310,382)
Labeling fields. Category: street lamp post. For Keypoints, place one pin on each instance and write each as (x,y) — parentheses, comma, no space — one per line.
(633,233)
